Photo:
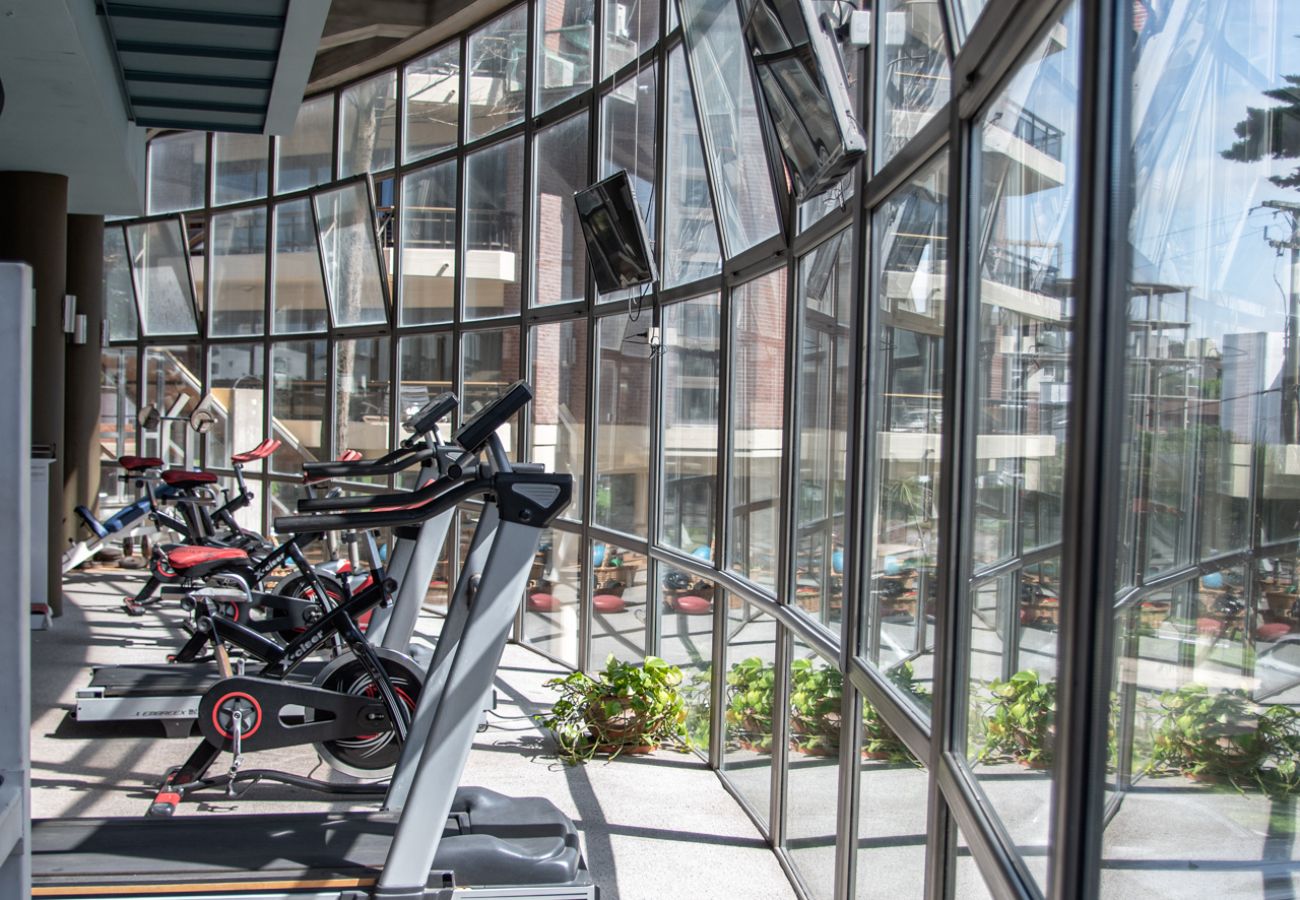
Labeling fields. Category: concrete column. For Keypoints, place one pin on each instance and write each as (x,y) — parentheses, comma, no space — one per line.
(84,363)
(34,230)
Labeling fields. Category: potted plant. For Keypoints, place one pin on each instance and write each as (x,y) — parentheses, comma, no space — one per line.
(626,708)
(1020,720)
(749,704)
(1225,737)
(815,695)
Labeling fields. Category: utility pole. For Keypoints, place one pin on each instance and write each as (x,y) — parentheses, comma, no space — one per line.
(1291,345)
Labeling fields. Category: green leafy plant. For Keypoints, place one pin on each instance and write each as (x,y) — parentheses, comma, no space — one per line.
(749,703)
(1226,737)
(627,707)
(1020,720)
(879,740)
(815,695)
(696,692)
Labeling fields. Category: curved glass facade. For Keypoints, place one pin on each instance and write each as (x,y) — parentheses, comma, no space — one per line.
(967,494)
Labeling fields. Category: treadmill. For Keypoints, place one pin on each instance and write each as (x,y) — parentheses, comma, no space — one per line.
(488,846)
(169,693)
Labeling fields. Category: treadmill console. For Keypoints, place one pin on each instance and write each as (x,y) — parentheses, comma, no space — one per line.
(428,415)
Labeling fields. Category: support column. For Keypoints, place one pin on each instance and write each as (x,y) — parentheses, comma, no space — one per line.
(34,230)
(84,363)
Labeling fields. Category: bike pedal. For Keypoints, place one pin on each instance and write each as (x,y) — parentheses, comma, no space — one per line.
(133,609)
(163,806)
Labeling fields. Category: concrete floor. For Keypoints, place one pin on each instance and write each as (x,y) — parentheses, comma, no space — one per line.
(655,827)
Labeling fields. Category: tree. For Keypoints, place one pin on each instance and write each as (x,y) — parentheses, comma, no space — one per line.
(1272,132)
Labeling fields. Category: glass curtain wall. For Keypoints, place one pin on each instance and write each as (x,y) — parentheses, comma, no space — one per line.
(836,464)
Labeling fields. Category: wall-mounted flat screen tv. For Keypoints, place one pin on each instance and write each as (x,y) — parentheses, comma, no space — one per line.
(616,237)
(803,88)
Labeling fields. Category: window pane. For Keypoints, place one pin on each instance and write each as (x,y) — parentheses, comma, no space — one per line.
(813,720)
(910,260)
(361,397)
(558,413)
(892,803)
(751,676)
(299,403)
(552,618)
(631,28)
(171,373)
(299,299)
(1204,697)
(489,363)
(686,641)
(432,102)
(494,198)
(239,166)
(560,161)
(690,248)
(117,413)
(303,159)
(825,360)
(238,272)
(690,415)
(914,79)
(498,70)
(623,418)
(235,381)
(426,368)
(368,125)
(758,395)
(627,116)
(345,223)
(177,172)
(732,131)
(119,295)
(564,36)
(429,244)
(1022,389)
(162,277)
(618,592)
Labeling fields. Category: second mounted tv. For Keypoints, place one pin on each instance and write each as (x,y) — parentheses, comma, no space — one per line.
(616,236)
(804,90)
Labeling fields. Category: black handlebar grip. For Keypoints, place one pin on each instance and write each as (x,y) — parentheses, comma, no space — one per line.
(428,415)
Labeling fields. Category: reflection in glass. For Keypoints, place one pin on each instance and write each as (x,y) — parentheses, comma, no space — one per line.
(564,38)
(751,679)
(162,277)
(1022,391)
(892,803)
(623,417)
(238,272)
(432,85)
(498,72)
(172,373)
(429,244)
(914,80)
(239,167)
(558,412)
(732,130)
(299,404)
(627,115)
(494,204)
(117,415)
(559,169)
(690,423)
(302,159)
(757,421)
(1205,701)
(630,30)
(177,172)
(362,396)
(619,582)
(235,382)
(690,248)
(812,785)
(911,265)
(823,409)
(299,300)
(426,368)
(345,224)
(368,125)
(552,619)
(686,641)
(119,295)
(489,363)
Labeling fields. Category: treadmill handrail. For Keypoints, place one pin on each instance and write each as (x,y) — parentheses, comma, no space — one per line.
(387,465)
(372,501)
(432,499)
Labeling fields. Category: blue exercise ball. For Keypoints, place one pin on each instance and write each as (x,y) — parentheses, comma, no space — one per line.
(598,554)
(1213,581)
(892,565)
(704,552)
(837,562)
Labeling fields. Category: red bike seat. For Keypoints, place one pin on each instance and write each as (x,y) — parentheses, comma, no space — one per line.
(183,478)
(261,451)
(139,463)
